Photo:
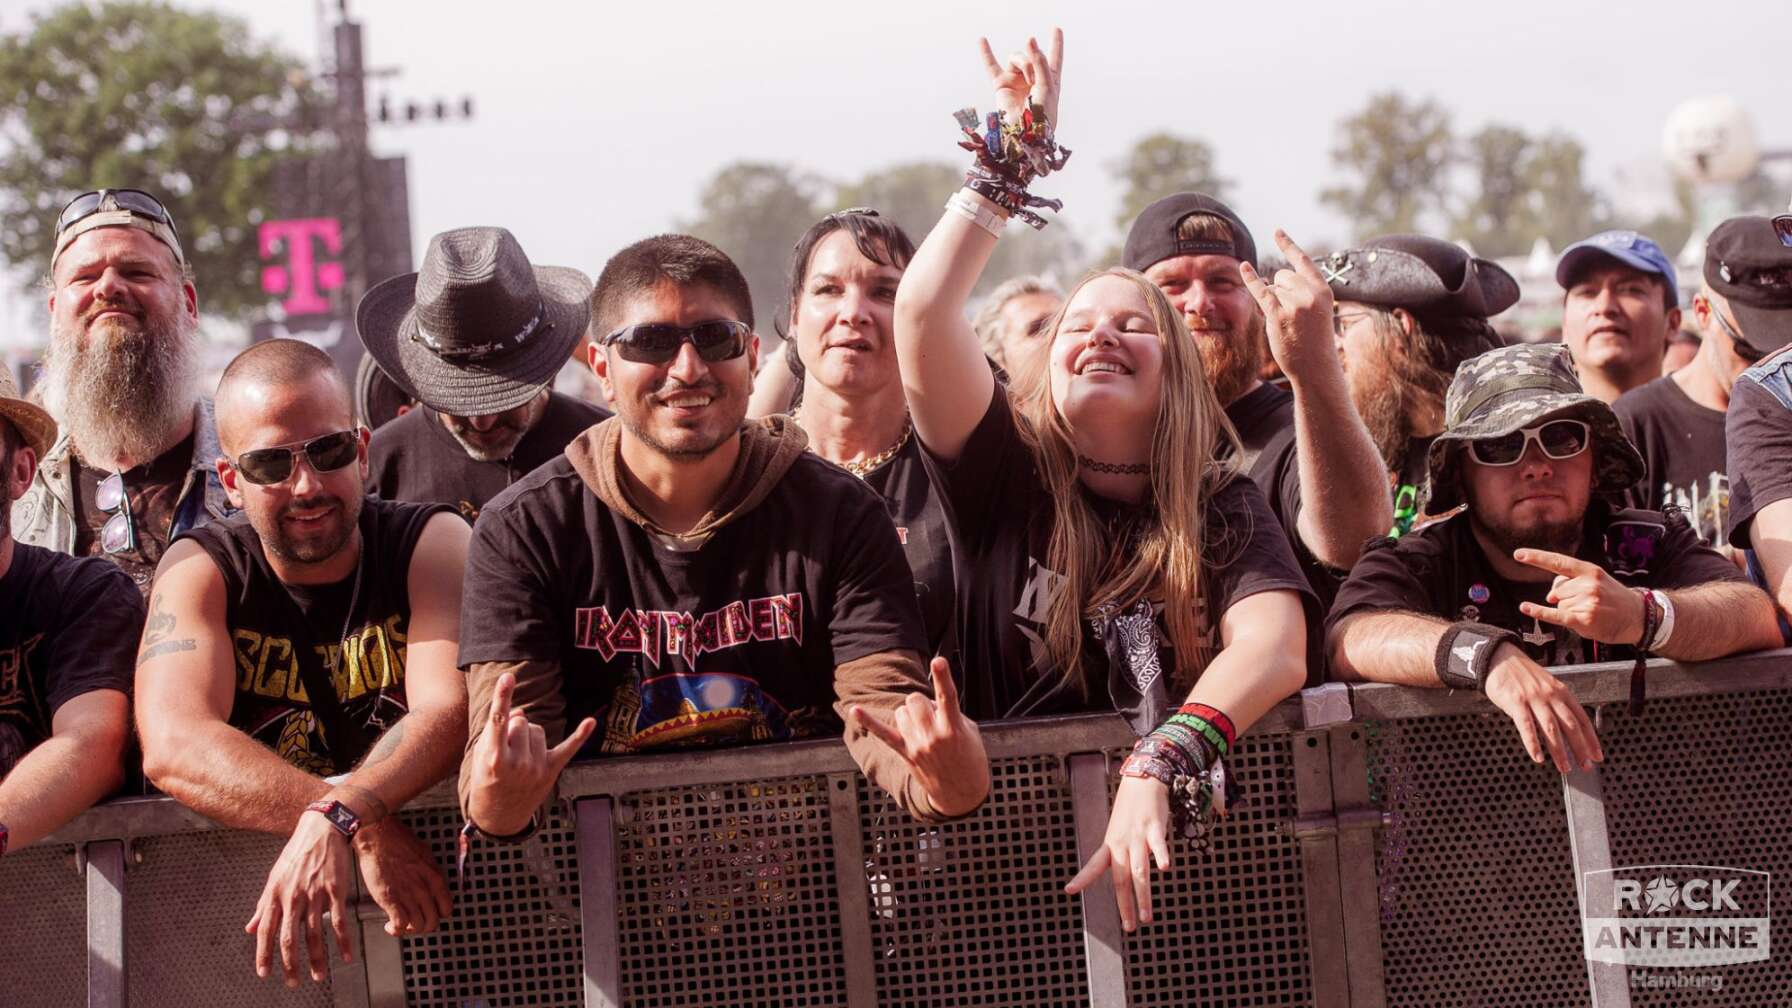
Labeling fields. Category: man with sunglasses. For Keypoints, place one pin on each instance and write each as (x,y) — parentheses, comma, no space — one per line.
(477,335)
(68,629)
(297,674)
(133,468)
(1756,288)
(1539,568)
(680,578)
(1677,421)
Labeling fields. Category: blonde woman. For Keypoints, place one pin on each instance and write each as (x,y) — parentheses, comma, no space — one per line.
(1115,559)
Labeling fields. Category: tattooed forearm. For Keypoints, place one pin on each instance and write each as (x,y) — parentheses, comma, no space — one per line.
(387,745)
(164,648)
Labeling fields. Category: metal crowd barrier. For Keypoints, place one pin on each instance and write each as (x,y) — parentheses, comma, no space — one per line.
(1396,848)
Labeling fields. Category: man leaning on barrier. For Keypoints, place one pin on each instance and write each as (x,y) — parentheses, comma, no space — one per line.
(297,673)
(679,578)
(1537,569)
(68,626)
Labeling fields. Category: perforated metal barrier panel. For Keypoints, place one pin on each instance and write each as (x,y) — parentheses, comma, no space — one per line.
(1478,898)
(43,929)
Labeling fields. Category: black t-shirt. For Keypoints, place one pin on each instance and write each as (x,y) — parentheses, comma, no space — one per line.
(1264,419)
(734,641)
(414,458)
(153,490)
(288,636)
(1004,514)
(1440,570)
(924,527)
(68,626)
(1682,444)
(1759,427)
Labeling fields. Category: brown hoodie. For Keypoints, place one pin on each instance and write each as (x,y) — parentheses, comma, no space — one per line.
(880,682)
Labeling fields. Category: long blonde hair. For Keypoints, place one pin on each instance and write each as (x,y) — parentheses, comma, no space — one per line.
(1194,453)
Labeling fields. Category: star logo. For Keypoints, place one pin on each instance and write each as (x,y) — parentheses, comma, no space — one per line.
(1663,894)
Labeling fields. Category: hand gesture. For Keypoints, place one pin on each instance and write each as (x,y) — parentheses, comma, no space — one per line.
(1029,75)
(309,878)
(1585,599)
(1537,702)
(1138,833)
(943,748)
(513,768)
(1297,309)
(402,877)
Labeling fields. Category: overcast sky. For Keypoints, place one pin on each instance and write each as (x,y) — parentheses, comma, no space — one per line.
(596,124)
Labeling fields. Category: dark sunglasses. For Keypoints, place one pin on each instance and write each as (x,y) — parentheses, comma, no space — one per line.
(136,201)
(1743,350)
(119,534)
(1559,439)
(659,342)
(1782,226)
(268,466)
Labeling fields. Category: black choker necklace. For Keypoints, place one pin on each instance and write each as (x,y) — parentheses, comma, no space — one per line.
(1113,468)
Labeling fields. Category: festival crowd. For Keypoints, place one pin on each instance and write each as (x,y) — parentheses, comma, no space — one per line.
(1179,489)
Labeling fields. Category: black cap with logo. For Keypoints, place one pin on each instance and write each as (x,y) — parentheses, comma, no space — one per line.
(1748,260)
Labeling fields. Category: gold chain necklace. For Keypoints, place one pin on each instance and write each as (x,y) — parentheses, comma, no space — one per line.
(865,467)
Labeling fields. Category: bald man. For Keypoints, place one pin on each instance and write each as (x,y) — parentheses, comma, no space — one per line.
(297,673)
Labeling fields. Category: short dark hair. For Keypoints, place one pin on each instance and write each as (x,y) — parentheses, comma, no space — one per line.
(680,260)
(877,237)
(277,361)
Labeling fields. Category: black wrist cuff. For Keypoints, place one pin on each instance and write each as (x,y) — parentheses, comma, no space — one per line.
(471,829)
(1465,654)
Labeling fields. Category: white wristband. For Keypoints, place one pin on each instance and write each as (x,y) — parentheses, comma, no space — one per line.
(967,207)
(1666,629)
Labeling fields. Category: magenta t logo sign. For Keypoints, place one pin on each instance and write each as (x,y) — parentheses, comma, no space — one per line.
(304,278)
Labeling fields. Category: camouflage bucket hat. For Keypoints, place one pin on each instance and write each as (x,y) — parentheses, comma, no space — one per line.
(1514,387)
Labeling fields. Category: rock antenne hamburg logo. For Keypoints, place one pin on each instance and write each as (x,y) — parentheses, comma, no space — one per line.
(1676,915)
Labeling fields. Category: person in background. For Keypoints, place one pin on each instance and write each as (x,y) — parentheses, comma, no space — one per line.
(1011,320)
(1620,303)
(378,399)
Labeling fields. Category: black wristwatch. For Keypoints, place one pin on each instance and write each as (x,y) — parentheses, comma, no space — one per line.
(341,816)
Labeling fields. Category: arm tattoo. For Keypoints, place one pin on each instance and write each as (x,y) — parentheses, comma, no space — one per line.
(160,623)
(387,745)
(164,648)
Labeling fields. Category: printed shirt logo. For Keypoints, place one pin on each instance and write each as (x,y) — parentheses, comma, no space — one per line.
(1036,599)
(278,713)
(656,633)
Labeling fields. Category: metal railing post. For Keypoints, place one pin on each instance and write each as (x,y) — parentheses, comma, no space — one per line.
(1104,943)
(1357,879)
(1316,828)
(852,890)
(1583,792)
(107,975)
(594,828)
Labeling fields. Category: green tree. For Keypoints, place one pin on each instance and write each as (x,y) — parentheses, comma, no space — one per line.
(1567,208)
(1395,156)
(1162,164)
(184,104)
(1522,187)
(755,212)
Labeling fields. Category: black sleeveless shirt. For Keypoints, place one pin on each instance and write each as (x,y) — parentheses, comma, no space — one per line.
(290,638)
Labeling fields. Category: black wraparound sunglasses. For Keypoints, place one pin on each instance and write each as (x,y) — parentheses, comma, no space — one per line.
(267,466)
(659,342)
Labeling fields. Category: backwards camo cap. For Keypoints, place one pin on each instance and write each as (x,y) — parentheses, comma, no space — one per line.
(1514,387)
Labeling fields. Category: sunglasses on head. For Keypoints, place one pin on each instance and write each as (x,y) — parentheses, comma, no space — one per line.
(659,342)
(136,201)
(268,466)
(1559,439)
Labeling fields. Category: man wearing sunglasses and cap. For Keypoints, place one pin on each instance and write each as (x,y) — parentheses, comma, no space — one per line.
(680,578)
(68,630)
(1752,278)
(477,336)
(133,468)
(297,673)
(1540,568)
(1677,421)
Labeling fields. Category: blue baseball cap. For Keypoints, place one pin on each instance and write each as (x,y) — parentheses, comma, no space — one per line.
(1627,248)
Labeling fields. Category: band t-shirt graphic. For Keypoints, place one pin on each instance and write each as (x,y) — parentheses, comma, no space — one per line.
(414,458)
(1439,570)
(734,641)
(924,527)
(286,636)
(1004,513)
(68,626)
(1682,444)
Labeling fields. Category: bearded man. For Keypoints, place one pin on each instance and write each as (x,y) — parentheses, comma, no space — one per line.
(133,466)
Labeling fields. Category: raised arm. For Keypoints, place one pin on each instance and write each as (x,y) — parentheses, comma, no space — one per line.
(775,385)
(944,374)
(186,679)
(1343,480)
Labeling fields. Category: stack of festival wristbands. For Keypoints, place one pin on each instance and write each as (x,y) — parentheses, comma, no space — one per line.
(1184,754)
(1009,156)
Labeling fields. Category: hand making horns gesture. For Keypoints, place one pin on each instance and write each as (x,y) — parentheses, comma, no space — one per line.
(1028,75)
(513,766)
(943,748)
(1296,306)
(1585,599)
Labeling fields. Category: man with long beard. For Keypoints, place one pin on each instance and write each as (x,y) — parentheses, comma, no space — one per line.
(1304,445)
(1409,310)
(343,613)
(1539,569)
(133,468)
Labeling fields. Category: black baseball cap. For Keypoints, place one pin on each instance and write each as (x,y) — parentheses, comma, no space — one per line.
(1747,262)
(1153,235)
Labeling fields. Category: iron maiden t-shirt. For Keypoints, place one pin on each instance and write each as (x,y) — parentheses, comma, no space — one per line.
(734,641)
(68,626)
(351,634)
(1440,570)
